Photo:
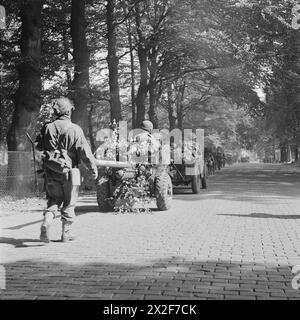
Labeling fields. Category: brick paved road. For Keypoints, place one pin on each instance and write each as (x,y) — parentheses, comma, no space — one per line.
(237,240)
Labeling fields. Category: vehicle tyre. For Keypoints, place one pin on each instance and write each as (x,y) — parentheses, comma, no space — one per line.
(103,195)
(163,191)
(204,179)
(204,182)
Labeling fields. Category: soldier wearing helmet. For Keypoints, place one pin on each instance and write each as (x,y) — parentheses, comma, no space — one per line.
(145,147)
(147,126)
(63,138)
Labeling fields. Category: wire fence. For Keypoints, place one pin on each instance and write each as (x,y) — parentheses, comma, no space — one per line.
(17,174)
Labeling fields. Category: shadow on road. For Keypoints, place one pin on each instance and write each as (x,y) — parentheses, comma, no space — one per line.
(20,243)
(24,225)
(262,215)
(170,278)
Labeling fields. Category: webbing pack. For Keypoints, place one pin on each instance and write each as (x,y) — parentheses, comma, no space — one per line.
(58,160)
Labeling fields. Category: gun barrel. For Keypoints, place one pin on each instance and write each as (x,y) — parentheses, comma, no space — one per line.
(113,164)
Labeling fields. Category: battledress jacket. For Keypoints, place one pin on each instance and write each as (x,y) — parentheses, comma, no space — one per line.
(72,139)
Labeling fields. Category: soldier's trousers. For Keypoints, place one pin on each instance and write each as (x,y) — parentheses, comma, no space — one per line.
(61,195)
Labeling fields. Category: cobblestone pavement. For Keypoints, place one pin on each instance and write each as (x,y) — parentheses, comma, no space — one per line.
(237,240)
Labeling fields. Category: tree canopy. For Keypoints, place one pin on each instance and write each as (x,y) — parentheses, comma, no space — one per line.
(228,66)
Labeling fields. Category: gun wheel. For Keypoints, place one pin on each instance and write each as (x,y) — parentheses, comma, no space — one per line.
(103,195)
(163,191)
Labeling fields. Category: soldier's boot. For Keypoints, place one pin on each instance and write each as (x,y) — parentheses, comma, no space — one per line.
(67,234)
(45,227)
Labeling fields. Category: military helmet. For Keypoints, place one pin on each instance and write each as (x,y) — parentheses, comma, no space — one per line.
(63,106)
(147,125)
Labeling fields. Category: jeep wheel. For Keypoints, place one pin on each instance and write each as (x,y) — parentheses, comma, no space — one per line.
(196,184)
(204,179)
(103,194)
(163,191)
(204,182)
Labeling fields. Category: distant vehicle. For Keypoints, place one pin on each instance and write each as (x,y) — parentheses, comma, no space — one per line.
(191,172)
(245,159)
(229,159)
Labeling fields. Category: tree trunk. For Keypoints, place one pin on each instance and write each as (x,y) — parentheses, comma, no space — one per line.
(143,61)
(27,99)
(113,62)
(80,85)
(132,72)
(179,102)
(66,59)
(143,87)
(153,116)
(153,96)
(180,118)
(171,109)
(172,119)
(296,152)
(90,124)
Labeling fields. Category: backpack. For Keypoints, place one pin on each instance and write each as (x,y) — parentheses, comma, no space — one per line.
(58,161)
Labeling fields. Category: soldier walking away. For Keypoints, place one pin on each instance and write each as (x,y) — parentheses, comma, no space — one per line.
(223,160)
(64,146)
(210,164)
